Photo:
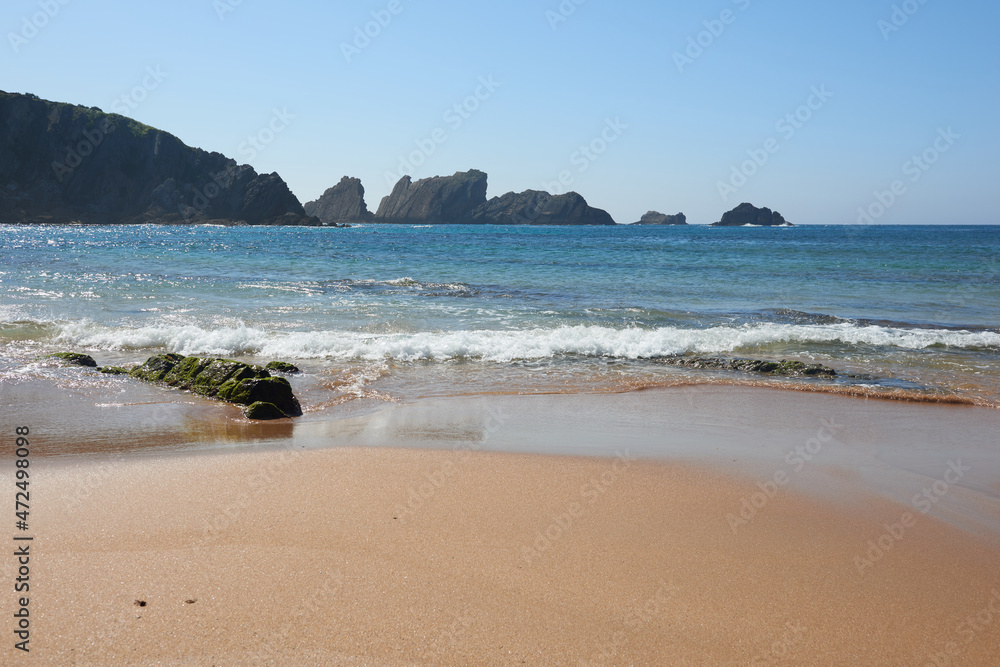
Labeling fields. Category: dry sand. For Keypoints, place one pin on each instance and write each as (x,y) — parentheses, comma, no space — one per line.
(389,556)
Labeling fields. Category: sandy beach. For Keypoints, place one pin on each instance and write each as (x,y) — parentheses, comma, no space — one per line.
(428,534)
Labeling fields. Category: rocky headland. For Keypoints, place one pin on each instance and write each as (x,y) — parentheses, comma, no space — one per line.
(61,163)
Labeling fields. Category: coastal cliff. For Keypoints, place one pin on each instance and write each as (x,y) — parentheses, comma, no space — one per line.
(61,163)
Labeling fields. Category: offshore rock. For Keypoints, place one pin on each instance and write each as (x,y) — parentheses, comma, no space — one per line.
(533,207)
(657,218)
(341,204)
(435,200)
(748,214)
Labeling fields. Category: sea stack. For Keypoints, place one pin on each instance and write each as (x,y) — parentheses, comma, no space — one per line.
(435,200)
(341,204)
(748,214)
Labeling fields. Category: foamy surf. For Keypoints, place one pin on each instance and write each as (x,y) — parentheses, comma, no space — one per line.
(507,345)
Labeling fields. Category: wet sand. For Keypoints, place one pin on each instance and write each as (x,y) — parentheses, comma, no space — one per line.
(437,533)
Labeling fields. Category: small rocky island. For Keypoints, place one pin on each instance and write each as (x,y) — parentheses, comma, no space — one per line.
(657,218)
(748,214)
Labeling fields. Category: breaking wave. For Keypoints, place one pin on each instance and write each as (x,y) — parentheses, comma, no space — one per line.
(507,345)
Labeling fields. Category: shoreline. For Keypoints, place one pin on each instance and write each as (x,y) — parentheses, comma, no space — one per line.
(646,527)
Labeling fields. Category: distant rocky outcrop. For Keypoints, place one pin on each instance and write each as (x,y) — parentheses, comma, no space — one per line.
(748,214)
(435,200)
(534,207)
(343,203)
(61,163)
(657,218)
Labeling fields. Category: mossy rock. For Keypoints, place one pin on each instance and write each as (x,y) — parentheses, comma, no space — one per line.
(74,359)
(217,372)
(263,411)
(283,367)
(157,367)
(224,379)
(113,370)
(274,390)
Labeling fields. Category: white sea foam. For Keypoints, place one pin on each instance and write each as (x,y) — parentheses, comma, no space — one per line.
(506,345)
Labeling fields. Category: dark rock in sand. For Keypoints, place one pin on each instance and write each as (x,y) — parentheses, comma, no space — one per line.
(263,411)
(61,163)
(341,204)
(748,214)
(74,359)
(263,390)
(657,218)
(435,200)
(224,379)
(533,207)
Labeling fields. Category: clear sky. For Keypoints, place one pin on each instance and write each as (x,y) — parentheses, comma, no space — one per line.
(667,120)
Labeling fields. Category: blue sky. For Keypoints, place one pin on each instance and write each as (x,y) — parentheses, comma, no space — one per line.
(696,132)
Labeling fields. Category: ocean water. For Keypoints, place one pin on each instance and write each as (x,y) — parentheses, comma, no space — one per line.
(396,313)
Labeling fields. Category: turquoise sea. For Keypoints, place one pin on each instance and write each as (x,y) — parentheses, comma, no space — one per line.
(394,313)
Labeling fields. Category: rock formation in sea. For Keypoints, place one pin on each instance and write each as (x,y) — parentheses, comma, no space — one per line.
(534,207)
(61,163)
(343,203)
(657,218)
(748,214)
(435,200)
(461,199)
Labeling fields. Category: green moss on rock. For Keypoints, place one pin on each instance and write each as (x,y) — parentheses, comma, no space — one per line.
(263,411)
(157,367)
(282,367)
(113,370)
(74,359)
(267,390)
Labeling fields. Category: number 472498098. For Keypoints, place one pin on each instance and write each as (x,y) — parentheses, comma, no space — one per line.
(22,462)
